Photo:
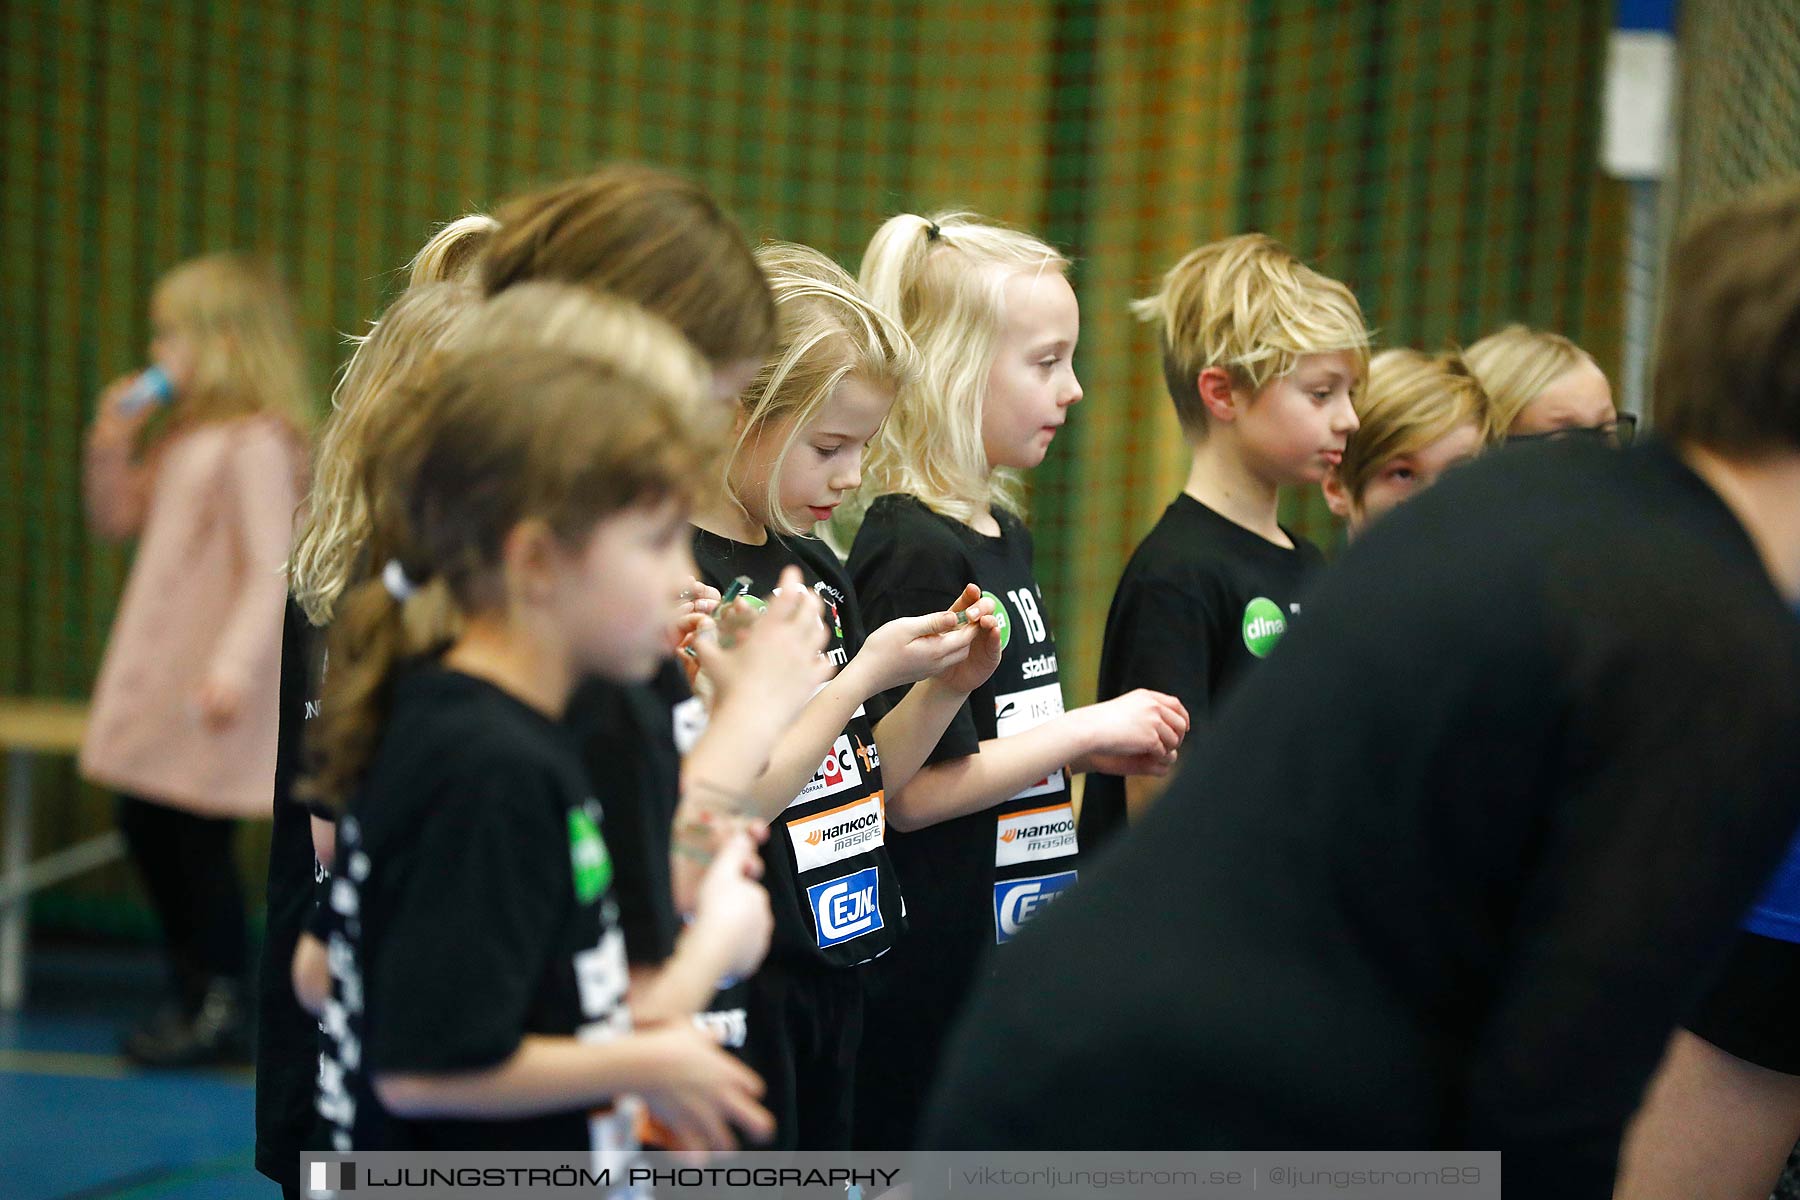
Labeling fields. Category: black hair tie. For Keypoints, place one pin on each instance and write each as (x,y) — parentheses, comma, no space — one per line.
(932,232)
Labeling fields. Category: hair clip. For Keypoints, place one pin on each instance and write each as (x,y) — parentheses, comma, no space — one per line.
(393,578)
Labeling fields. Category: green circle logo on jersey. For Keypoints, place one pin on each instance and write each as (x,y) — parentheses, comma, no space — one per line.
(588,856)
(1005,619)
(1263,626)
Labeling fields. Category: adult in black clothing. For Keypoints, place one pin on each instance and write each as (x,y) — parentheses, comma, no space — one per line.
(1455,861)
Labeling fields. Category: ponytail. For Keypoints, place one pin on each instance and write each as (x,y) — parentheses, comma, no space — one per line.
(450,254)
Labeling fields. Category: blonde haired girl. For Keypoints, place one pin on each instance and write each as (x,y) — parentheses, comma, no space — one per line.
(838,367)
(1421,414)
(984,832)
(183,719)
(1542,385)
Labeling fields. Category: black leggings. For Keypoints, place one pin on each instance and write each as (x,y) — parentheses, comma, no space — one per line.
(189,868)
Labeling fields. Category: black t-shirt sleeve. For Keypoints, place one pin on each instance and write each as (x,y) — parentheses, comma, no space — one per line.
(1636,873)
(1163,638)
(627,742)
(905,563)
(472,928)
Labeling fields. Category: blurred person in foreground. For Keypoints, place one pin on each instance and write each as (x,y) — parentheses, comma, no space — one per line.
(1545,760)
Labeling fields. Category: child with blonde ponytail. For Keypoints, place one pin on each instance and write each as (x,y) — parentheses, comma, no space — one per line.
(984,833)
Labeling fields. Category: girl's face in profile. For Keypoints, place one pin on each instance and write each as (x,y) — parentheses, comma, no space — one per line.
(171,346)
(1032,383)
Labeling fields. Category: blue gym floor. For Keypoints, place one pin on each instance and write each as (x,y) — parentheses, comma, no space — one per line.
(79,1123)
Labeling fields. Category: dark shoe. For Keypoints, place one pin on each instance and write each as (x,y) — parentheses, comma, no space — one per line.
(216,1033)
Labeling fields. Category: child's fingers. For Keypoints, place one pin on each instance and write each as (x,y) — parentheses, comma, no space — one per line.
(756,1122)
(699,589)
(970,595)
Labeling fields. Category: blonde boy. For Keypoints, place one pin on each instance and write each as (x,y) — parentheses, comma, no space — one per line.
(1263,357)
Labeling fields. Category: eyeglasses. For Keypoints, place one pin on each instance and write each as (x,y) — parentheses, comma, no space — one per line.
(1617,432)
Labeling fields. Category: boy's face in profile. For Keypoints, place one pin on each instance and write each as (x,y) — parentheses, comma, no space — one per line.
(1294,430)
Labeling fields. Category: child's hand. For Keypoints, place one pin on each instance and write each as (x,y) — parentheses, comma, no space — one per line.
(1133,734)
(698,1093)
(701,834)
(734,907)
(118,420)
(772,660)
(220,700)
(984,651)
(909,649)
(698,602)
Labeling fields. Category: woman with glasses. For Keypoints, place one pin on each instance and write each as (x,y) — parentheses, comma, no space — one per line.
(1545,388)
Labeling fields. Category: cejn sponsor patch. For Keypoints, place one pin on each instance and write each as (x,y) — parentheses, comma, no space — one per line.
(1034,834)
(824,838)
(1016,901)
(1015,712)
(845,907)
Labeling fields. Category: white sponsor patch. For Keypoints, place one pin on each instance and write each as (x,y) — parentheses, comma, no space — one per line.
(826,837)
(842,770)
(1035,834)
(1015,712)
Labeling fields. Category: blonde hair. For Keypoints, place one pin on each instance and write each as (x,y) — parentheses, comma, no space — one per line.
(246,344)
(1516,363)
(635,342)
(647,235)
(944,279)
(449,255)
(826,332)
(390,356)
(1248,305)
(1411,401)
(487,442)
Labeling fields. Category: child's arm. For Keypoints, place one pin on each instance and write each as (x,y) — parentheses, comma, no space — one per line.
(757,685)
(696,1090)
(115,484)
(912,730)
(311,973)
(900,652)
(728,937)
(1141,729)
(262,495)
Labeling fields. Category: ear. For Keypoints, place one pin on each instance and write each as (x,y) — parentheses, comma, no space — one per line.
(1217,394)
(530,556)
(1337,496)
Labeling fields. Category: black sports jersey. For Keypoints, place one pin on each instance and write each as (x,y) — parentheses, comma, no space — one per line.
(629,736)
(831,884)
(287,1036)
(1201,600)
(472,906)
(1449,867)
(971,882)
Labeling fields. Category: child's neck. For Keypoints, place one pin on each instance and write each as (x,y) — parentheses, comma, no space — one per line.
(732,522)
(983,522)
(516,661)
(1220,479)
